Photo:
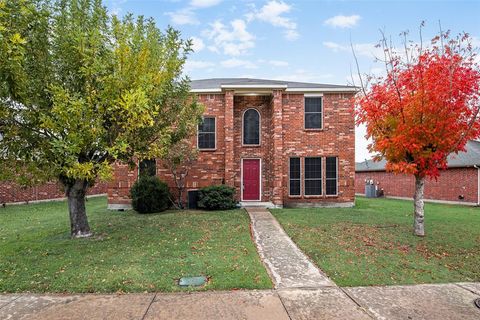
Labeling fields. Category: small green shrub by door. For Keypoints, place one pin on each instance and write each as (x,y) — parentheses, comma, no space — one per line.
(219,197)
(149,195)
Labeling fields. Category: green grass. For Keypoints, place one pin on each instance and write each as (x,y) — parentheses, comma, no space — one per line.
(372,244)
(128,253)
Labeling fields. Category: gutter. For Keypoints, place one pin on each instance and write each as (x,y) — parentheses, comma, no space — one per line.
(478,186)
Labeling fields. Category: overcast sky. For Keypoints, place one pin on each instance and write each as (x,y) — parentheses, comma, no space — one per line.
(298,40)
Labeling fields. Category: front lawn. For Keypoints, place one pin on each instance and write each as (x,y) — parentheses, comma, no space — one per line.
(372,244)
(128,253)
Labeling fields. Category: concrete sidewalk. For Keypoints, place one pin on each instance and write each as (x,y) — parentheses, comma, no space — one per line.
(287,265)
(444,301)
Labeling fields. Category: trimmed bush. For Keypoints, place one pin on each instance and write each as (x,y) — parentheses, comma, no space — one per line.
(149,195)
(219,197)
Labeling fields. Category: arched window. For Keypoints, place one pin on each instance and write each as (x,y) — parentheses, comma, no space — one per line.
(251,127)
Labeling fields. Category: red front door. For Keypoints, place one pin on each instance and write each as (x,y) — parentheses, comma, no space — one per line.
(251,179)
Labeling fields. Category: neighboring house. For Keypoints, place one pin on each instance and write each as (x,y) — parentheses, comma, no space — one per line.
(460,182)
(12,193)
(279,143)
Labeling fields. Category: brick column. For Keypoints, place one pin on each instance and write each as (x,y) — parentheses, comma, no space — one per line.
(277,145)
(229,151)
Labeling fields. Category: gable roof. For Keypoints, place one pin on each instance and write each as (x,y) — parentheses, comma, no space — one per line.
(218,84)
(469,158)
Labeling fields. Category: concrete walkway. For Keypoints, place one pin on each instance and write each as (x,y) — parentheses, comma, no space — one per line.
(446,302)
(286,264)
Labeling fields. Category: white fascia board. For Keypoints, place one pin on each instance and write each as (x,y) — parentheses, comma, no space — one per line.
(299,90)
(253,93)
(211,90)
(321,90)
(253,86)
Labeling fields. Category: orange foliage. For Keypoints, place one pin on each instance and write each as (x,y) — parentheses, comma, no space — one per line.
(424,108)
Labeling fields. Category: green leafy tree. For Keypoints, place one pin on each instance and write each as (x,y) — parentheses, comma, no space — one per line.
(80,90)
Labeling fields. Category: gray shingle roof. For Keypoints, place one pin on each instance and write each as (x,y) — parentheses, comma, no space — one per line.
(463,159)
(216,83)
(370,165)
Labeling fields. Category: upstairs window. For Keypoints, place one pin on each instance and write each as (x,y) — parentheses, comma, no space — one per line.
(251,127)
(147,168)
(313,176)
(206,133)
(295,174)
(313,113)
(331,176)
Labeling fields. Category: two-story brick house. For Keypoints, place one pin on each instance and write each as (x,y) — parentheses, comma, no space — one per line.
(279,143)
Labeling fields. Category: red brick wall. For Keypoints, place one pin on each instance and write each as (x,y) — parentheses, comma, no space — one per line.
(282,135)
(228,138)
(11,192)
(277,153)
(263,104)
(208,170)
(450,185)
(119,187)
(337,138)
(210,166)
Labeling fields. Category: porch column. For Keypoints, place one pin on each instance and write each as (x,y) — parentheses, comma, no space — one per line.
(277,145)
(229,151)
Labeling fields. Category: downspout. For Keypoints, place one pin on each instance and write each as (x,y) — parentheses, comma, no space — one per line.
(478,184)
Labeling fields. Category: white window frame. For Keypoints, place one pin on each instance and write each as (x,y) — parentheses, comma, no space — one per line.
(215,133)
(259,129)
(305,96)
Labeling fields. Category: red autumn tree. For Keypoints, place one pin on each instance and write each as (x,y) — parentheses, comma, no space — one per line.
(426,107)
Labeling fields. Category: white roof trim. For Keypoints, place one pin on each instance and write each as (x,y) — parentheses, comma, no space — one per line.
(321,90)
(253,93)
(205,90)
(249,86)
(253,86)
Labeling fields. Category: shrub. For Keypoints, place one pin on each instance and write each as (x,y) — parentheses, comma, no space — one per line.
(219,197)
(149,195)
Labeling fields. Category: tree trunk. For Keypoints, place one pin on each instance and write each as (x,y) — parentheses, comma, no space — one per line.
(418,216)
(76,192)
(180,198)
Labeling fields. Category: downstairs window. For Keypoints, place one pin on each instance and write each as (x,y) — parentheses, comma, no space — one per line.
(313,176)
(331,176)
(295,174)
